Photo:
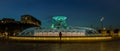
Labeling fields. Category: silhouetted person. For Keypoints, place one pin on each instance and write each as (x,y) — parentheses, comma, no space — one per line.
(60,35)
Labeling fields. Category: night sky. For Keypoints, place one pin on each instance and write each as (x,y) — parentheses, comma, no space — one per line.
(79,12)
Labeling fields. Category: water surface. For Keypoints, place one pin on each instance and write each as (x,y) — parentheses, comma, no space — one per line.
(28,46)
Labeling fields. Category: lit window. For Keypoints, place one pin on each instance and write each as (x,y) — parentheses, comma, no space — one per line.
(25,17)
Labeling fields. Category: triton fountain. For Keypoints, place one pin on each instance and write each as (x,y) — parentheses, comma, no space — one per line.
(60,31)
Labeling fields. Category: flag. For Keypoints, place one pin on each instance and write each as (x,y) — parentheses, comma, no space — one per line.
(102,19)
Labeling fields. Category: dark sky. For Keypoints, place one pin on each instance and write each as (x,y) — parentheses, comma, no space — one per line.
(79,12)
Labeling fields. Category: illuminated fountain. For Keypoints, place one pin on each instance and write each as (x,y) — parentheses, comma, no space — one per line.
(59,30)
(59,22)
(59,25)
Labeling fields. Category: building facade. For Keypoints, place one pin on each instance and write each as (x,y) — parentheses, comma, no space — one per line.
(7,20)
(9,26)
(30,20)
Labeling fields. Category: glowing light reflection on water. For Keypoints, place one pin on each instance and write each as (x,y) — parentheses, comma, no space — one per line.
(93,46)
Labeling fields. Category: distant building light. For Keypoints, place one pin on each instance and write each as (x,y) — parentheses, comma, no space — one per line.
(2,21)
(26,18)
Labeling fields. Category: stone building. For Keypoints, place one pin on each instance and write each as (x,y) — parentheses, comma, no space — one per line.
(11,27)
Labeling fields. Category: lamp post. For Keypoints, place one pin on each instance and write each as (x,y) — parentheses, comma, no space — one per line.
(101,20)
